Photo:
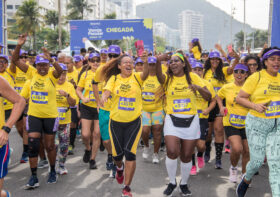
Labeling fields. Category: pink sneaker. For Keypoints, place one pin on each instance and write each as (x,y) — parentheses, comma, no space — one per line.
(193,171)
(200,162)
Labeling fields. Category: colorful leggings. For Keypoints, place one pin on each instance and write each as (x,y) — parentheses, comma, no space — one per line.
(263,137)
(62,142)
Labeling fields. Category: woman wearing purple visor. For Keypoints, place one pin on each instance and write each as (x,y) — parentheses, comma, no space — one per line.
(261,94)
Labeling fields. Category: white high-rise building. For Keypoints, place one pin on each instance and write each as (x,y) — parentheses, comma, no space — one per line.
(128,8)
(190,26)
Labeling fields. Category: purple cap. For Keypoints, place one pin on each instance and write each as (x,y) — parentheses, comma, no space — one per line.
(224,59)
(103,51)
(78,58)
(4,56)
(271,53)
(115,49)
(197,65)
(54,57)
(241,67)
(152,60)
(192,60)
(21,52)
(230,58)
(187,54)
(214,54)
(243,55)
(195,40)
(92,55)
(138,60)
(63,66)
(40,59)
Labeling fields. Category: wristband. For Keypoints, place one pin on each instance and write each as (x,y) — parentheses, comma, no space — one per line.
(6,129)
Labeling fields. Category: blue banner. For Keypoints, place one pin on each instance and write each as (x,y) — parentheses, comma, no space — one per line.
(275,31)
(133,29)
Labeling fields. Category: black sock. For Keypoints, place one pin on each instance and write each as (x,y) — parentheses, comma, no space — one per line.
(110,158)
(193,159)
(219,149)
(208,146)
(25,148)
(73,134)
(34,171)
(52,168)
(199,154)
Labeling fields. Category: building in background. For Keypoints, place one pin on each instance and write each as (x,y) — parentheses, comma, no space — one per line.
(128,8)
(190,26)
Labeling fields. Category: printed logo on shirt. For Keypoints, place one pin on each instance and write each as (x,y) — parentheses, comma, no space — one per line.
(273,109)
(217,89)
(127,104)
(62,113)
(91,96)
(236,120)
(39,97)
(181,105)
(148,96)
(18,89)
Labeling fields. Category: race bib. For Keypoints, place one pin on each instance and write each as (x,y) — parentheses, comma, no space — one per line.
(237,121)
(91,96)
(18,89)
(39,97)
(181,105)
(127,104)
(273,109)
(148,96)
(62,113)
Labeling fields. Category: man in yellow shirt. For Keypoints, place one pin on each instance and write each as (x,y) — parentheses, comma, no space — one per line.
(78,59)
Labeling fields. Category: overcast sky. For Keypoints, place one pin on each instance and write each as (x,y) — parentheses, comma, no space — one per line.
(257,11)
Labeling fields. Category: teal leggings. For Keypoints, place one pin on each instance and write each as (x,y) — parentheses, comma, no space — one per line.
(263,137)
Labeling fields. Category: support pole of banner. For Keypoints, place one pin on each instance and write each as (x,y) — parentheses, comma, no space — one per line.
(5,26)
(59,25)
(270,22)
(244,25)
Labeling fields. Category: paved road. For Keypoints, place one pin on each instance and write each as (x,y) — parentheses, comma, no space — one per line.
(150,180)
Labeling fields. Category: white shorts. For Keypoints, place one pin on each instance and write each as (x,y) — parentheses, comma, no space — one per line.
(191,133)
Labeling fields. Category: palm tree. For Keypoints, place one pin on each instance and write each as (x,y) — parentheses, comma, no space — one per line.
(51,18)
(239,39)
(28,18)
(77,9)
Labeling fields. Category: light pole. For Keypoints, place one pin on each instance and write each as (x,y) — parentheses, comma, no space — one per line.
(59,25)
(231,20)
(244,25)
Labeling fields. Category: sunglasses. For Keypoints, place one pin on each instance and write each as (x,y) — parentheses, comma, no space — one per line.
(113,55)
(239,71)
(23,57)
(93,61)
(3,61)
(255,64)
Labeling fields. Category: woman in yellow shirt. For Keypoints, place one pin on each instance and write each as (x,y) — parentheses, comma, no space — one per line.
(195,48)
(261,94)
(181,125)
(42,113)
(125,116)
(234,120)
(253,62)
(88,109)
(217,75)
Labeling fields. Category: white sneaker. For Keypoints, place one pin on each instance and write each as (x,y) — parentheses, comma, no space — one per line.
(155,158)
(233,173)
(145,153)
(62,170)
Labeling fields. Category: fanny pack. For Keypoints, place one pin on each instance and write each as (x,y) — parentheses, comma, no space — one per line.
(181,122)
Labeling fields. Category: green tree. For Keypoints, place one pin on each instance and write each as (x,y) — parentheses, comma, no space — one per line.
(160,44)
(110,16)
(28,18)
(51,18)
(258,37)
(239,39)
(78,8)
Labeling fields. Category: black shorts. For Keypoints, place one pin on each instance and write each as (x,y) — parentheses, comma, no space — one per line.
(230,131)
(74,115)
(7,114)
(88,113)
(25,110)
(204,126)
(214,113)
(42,125)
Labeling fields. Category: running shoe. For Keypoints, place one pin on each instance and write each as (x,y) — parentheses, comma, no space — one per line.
(78,133)
(24,157)
(126,192)
(70,150)
(233,173)
(227,149)
(141,143)
(170,189)
(218,164)
(185,190)
(162,147)
(86,156)
(145,153)
(43,163)
(193,171)
(242,188)
(101,147)
(113,172)
(155,158)
(109,165)
(92,165)
(62,170)
(200,162)
(32,183)
(207,156)
(119,176)
(52,177)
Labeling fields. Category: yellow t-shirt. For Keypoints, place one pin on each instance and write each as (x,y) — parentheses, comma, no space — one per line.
(79,69)
(236,113)
(180,99)
(41,91)
(126,97)
(10,78)
(73,75)
(64,112)
(152,92)
(86,83)
(2,112)
(264,88)
(196,53)
(164,68)
(201,102)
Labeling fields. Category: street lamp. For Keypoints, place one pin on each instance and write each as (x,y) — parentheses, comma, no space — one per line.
(244,25)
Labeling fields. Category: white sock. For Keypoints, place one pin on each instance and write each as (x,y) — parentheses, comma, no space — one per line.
(185,172)
(171,166)
(233,167)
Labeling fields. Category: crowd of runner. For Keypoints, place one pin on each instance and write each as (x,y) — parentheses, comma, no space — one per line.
(120,100)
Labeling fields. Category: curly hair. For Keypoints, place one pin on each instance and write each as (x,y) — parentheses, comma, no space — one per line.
(253,57)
